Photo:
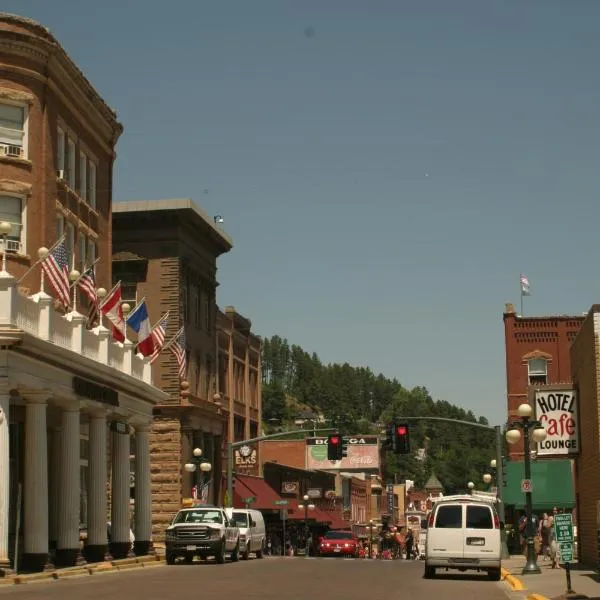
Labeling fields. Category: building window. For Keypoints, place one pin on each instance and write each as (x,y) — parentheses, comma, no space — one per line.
(60,151)
(208,378)
(196,300)
(60,226)
(129,294)
(184,298)
(206,312)
(83,176)
(70,242)
(537,369)
(82,252)
(12,210)
(13,122)
(91,197)
(71,163)
(91,252)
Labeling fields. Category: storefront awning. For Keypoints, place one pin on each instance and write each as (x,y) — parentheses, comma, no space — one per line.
(337,522)
(552,484)
(314,514)
(246,486)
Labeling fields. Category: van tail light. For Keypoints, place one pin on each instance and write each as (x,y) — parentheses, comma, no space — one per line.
(430,520)
(496,522)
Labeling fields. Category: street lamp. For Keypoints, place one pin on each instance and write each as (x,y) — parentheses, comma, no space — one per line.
(200,466)
(371,538)
(5,229)
(471,487)
(532,430)
(487,478)
(306,506)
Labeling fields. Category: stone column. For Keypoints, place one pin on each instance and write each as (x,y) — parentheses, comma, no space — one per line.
(4,479)
(53,484)
(143,495)
(97,542)
(67,541)
(35,493)
(120,543)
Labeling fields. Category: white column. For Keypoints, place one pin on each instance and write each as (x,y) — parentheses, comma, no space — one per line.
(53,482)
(143,497)
(35,493)
(4,476)
(120,492)
(69,483)
(97,478)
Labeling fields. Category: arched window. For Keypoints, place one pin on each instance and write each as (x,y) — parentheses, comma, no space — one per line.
(537,370)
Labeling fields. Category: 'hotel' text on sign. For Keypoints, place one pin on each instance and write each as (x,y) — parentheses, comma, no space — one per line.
(557,411)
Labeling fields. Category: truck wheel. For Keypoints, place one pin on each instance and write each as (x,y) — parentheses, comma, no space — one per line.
(220,556)
(170,557)
(429,572)
(189,558)
(260,553)
(494,574)
(235,555)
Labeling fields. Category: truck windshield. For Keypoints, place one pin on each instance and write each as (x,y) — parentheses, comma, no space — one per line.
(198,516)
(240,519)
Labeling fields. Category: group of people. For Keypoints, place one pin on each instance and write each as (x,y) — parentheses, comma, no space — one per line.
(392,543)
(546,545)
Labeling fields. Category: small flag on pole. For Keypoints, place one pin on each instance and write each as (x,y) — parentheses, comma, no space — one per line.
(111,308)
(139,321)
(56,269)
(177,347)
(87,284)
(525,285)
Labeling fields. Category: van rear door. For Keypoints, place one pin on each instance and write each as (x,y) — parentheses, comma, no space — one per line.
(445,536)
(481,533)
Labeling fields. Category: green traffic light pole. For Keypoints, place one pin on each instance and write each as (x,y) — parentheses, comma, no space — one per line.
(232,445)
(497,429)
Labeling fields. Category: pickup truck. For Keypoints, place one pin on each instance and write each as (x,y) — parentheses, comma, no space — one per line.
(202,531)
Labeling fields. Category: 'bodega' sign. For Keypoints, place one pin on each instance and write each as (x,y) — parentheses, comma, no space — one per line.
(557,411)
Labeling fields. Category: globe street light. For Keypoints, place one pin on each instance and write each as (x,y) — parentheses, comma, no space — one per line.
(471,487)
(306,506)
(532,430)
(5,229)
(200,466)
(487,478)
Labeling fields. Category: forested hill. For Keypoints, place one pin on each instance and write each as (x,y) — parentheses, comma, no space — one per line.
(358,401)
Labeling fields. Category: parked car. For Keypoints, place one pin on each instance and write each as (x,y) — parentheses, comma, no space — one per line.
(202,531)
(252,530)
(463,532)
(339,543)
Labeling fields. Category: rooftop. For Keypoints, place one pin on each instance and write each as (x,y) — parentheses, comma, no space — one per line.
(173,204)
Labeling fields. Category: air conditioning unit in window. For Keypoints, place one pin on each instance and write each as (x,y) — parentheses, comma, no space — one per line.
(61,174)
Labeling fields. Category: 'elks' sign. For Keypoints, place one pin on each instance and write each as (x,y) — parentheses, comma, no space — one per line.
(557,411)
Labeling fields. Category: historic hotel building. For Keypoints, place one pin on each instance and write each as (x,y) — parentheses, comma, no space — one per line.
(70,398)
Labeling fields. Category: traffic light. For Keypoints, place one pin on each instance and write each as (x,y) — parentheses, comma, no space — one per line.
(344,447)
(401,439)
(335,447)
(389,436)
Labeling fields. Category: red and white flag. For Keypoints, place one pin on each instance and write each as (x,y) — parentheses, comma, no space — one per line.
(111,308)
(56,269)
(178,347)
(159,332)
(87,284)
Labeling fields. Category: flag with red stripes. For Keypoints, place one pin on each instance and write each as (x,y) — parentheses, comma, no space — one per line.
(178,348)
(87,284)
(56,269)
(159,332)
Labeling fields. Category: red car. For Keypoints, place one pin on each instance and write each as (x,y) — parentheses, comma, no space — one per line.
(339,543)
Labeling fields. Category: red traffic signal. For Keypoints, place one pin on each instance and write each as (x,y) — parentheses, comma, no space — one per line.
(401,441)
(335,449)
(401,430)
(334,439)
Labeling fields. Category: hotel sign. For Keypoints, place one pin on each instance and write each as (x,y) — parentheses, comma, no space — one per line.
(93,391)
(363,454)
(557,410)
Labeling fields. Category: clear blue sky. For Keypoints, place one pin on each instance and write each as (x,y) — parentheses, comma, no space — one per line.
(385,180)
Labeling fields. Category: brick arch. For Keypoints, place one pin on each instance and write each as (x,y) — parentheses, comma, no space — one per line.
(535,354)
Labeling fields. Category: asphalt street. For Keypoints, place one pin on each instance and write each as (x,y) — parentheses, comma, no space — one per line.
(270,579)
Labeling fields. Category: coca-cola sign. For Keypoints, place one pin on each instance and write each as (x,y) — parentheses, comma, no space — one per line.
(363,454)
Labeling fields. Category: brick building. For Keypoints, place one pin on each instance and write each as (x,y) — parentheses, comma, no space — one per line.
(57,149)
(537,353)
(585,365)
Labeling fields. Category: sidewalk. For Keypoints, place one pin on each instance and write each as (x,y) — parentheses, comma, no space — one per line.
(551,584)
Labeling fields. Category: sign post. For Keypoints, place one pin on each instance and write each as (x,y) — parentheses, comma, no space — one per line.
(563,533)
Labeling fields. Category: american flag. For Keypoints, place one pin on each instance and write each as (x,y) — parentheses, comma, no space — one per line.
(177,347)
(87,284)
(56,269)
(525,285)
(159,332)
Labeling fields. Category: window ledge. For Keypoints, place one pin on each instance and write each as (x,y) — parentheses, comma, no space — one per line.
(18,257)
(65,184)
(15,160)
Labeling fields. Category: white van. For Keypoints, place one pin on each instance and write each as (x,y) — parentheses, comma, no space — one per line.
(252,530)
(463,532)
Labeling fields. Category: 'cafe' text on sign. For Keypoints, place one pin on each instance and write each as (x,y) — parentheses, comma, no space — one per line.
(557,411)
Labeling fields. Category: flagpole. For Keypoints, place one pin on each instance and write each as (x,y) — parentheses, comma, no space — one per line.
(39,260)
(522,301)
(137,304)
(172,340)
(114,287)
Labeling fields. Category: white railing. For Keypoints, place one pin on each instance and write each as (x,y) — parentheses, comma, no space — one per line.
(36,316)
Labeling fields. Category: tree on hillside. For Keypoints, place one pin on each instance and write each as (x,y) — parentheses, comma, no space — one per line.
(356,400)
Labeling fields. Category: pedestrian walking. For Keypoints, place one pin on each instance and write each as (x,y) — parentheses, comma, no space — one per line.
(408,543)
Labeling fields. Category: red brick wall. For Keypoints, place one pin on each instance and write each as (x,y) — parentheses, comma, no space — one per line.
(585,359)
(523,335)
(284,452)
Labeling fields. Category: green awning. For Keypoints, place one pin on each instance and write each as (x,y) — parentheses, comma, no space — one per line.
(552,484)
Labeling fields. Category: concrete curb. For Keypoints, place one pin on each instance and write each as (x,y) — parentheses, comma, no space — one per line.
(536,597)
(515,584)
(114,566)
